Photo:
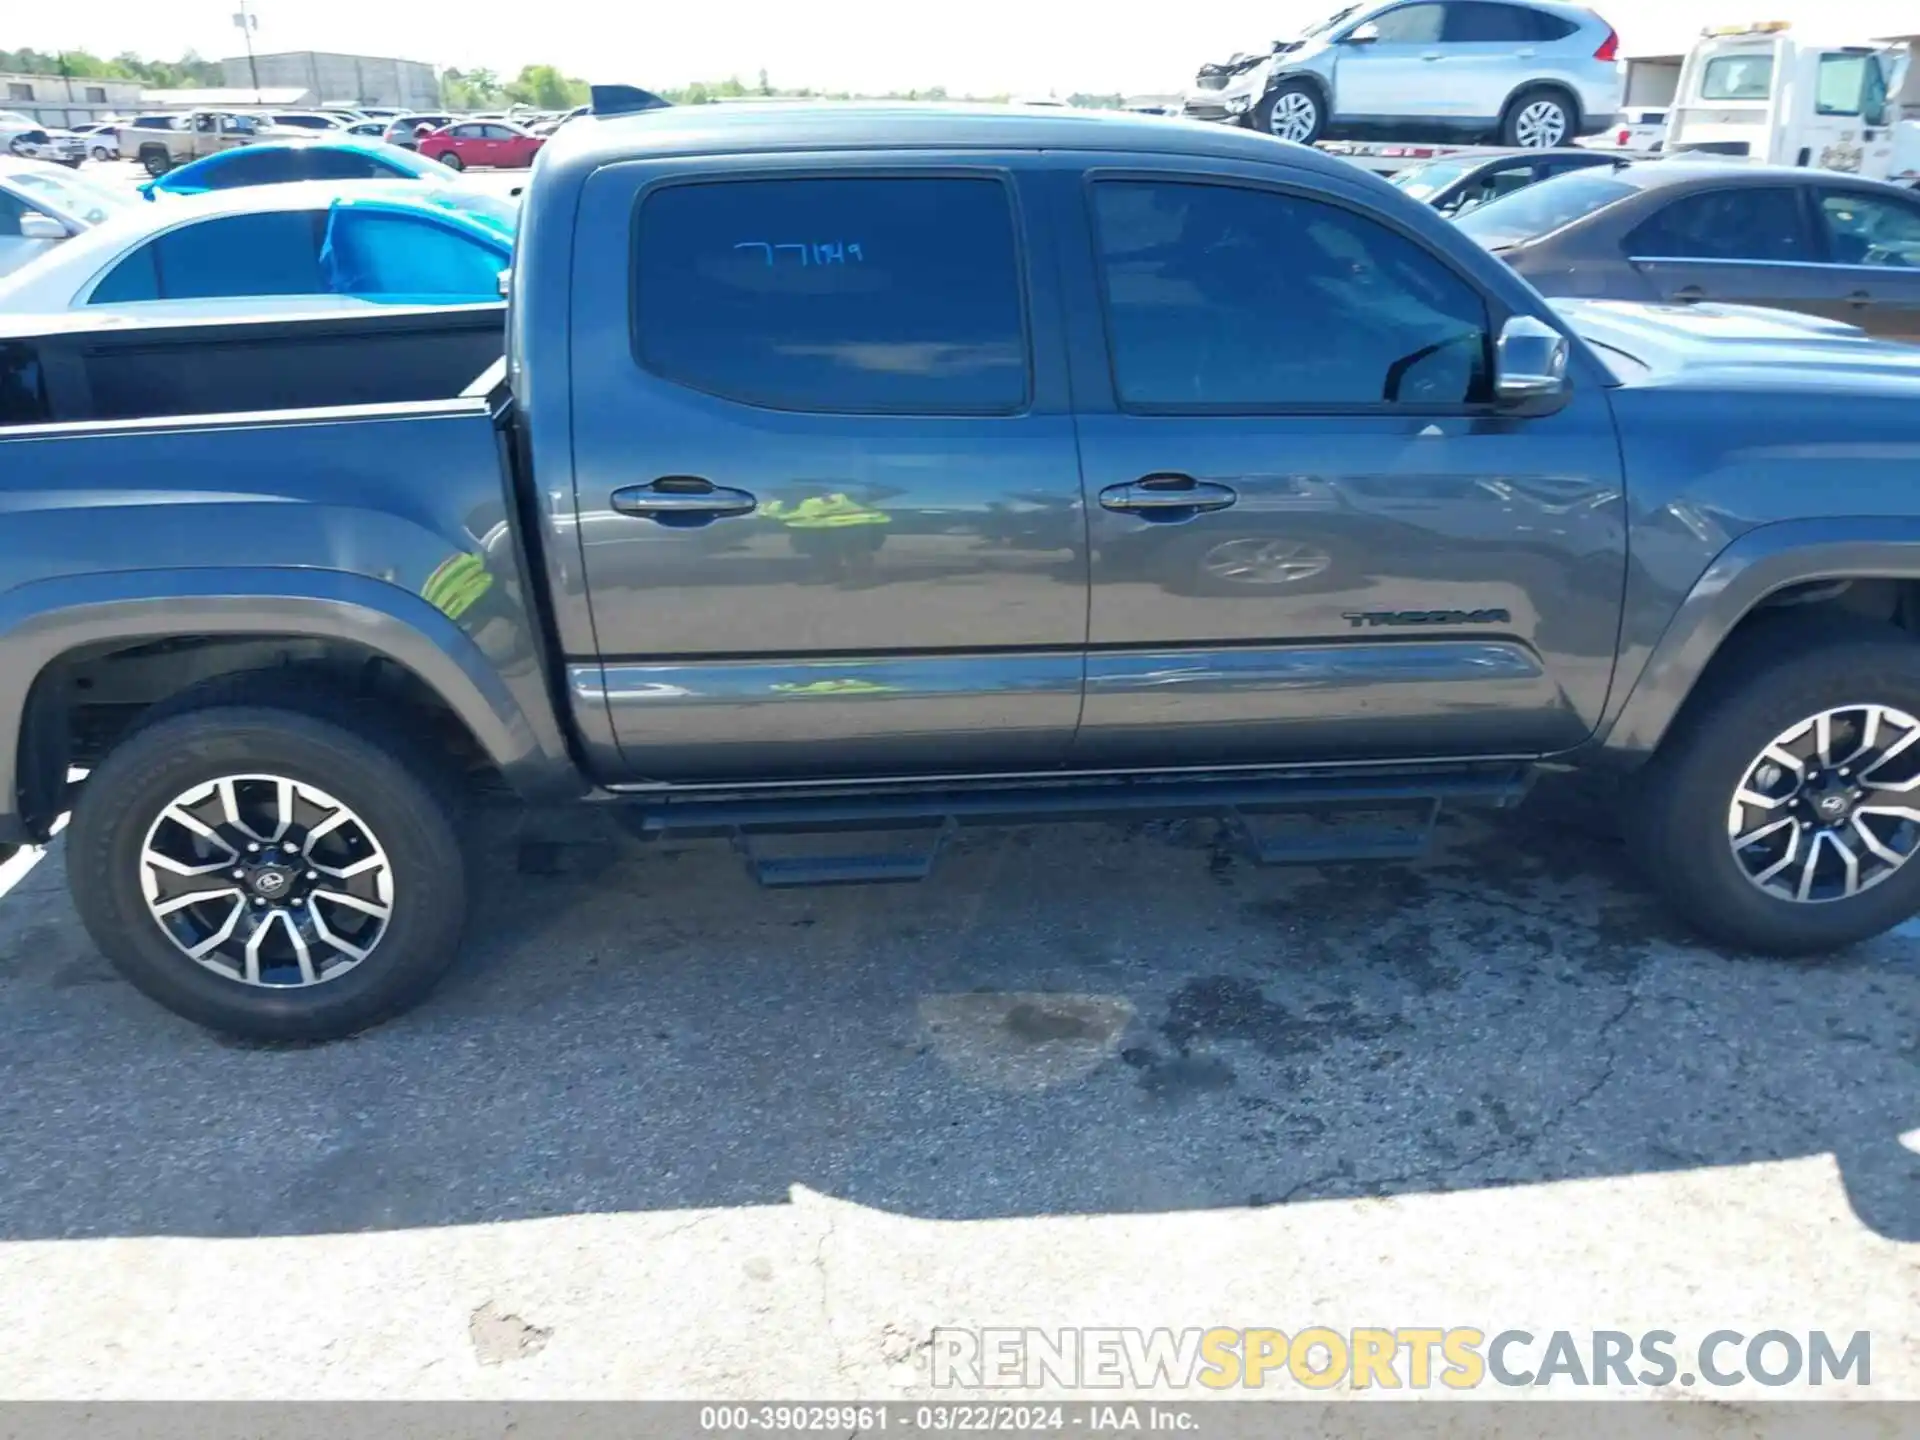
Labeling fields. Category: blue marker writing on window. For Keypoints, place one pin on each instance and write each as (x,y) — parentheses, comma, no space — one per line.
(819,252)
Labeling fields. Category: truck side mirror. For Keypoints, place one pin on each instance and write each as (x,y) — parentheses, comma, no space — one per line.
(1366,34)
(1529,363)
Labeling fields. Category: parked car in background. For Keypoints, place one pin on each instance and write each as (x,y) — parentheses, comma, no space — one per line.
(59,147)
(161,142)
(1686,231)
(406,130)
(370,129)
(1533,73)
(305,120)
(102,137)
(495,143)
(279,162)
(42,206)
(1457,184)
(351,243)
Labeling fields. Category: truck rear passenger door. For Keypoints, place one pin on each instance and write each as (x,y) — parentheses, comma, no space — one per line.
(828,495)
(1313,536)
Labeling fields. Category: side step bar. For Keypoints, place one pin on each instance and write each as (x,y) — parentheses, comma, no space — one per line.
(1415,797)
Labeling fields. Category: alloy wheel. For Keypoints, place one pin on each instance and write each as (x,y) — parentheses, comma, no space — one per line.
(1541,125)
(267,881)
(1294,116)
(1828,809)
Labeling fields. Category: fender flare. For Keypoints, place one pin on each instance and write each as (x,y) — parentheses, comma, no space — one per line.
(43,620)
(1760,563)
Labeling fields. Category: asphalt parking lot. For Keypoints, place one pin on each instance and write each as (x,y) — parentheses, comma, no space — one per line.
(665,1134)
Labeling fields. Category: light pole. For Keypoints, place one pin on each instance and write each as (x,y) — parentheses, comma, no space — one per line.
(248,23)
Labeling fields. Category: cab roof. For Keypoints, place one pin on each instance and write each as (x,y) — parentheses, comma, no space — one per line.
(724,129)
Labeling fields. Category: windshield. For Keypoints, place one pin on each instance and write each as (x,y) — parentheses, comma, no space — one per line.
(1423,182)
(71,198)
(1541,209)
(1737,77)
(1339,17)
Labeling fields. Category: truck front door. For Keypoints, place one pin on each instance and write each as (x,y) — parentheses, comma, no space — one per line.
(827,495)
(1313,537)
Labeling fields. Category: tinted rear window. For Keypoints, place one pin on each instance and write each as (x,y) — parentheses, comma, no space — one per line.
(856,295)
(1480,22)
(1543,208)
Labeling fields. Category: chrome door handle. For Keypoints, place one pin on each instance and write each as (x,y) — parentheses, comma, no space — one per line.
(1167,497)
(1687,294)
(682,500)
(1860,298)
(1431,55)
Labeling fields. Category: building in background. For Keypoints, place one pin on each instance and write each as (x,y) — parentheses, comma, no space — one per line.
(244,97)
(339,79)
(62,100)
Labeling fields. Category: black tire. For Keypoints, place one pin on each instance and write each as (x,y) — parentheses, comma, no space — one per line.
(452,161)
(405,799)
(1776,677)
(155,160)
(1287,96)
(1526,104)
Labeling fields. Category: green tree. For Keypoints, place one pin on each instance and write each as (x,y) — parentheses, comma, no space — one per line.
(545,88)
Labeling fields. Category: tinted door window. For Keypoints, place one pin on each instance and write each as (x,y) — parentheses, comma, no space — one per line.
(1744,224)
(1240,298)
(836,295)
(1411,25)
(1473,22)
(1864,229)
(277,253)
(12,207)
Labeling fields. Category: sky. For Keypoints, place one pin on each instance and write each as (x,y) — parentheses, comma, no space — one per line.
(983,47)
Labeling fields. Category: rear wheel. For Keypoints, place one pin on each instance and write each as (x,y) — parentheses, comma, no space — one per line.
(1538,119)
(102,154)
(269,873)
(451,161)
(1783,813)
(1292,110)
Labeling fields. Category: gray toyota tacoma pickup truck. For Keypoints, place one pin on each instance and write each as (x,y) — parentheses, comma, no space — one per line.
(863,468)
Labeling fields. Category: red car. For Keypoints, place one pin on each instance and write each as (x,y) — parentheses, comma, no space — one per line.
(482,142)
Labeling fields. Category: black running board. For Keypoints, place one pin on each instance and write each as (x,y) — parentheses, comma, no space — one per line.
(1410,802)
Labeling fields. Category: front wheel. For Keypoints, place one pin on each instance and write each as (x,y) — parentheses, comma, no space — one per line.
(1782,815)
(1538,120)
(268,873)
(451,161)
(156,161)
(1292,110)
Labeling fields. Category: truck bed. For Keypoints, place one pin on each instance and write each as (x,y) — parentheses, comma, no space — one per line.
(81,367)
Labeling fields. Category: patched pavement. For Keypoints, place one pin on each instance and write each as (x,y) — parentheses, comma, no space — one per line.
(664,1133)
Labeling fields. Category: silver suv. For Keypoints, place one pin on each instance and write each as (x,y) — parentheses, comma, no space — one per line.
(1529,73)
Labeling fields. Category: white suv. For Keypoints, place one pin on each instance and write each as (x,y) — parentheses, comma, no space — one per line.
(1529,73)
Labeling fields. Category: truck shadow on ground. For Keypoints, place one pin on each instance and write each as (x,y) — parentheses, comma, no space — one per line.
(1085,1019)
